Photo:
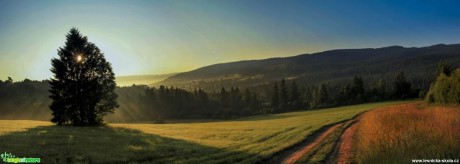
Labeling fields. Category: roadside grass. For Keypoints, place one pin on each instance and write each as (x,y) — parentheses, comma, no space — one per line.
(398,134)
(247,140)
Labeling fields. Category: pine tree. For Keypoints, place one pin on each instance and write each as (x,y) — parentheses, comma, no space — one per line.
(357,89)
(320,97)
(284,97)
(224,98)
(83,85)
(295,100)
(401,88)
(275,98)
(247,97)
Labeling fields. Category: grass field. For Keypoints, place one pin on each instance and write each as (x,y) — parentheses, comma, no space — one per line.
(246,140)
(398,134)
(319,154)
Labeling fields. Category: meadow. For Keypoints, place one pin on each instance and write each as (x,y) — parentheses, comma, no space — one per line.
(398,134)
(247,140)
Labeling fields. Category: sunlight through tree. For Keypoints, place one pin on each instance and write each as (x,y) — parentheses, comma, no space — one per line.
(83,85)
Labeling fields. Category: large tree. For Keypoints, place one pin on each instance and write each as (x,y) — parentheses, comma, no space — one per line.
(83,85)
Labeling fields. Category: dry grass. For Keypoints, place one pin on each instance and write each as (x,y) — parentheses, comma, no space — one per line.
(8,126)
(397,134)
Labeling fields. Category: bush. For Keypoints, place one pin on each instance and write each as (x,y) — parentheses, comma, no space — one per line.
(446,89)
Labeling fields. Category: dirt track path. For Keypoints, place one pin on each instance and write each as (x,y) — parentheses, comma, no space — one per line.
(307,146)
(345,150)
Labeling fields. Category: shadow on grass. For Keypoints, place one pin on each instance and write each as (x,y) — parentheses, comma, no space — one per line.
(58,144)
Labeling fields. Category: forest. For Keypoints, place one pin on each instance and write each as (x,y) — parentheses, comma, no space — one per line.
(157,104)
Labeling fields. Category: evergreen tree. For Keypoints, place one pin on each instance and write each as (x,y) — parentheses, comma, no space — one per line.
(308,96)
(275,98)
(295,100)
(284,97)
(247,97)
(378,91)
(344,95)
(401,88)
(381,91)
(320,96)
(357,89)
(224,98)
(83,85)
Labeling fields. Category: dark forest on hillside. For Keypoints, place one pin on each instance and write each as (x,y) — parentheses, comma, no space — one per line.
(334,66)
(29,99)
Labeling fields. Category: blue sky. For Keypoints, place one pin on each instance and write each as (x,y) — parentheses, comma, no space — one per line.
(155,37)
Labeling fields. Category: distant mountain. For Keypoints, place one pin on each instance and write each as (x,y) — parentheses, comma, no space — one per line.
(141,79)
(418,63)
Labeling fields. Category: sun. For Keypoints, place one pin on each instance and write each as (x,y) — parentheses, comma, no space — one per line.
(79,58)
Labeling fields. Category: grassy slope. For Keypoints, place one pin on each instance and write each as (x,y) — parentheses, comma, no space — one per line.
(247,140)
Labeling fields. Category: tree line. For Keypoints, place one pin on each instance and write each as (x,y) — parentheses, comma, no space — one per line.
(160,103)
(177,103)
(285,96)
(335,94)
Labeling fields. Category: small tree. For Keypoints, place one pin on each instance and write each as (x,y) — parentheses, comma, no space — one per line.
(83,85)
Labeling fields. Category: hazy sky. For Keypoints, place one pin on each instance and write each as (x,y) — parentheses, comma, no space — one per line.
(155,37)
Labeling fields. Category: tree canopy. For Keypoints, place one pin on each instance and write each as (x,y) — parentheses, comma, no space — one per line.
(83,85)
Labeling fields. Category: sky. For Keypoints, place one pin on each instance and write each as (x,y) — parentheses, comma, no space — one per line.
(165,36)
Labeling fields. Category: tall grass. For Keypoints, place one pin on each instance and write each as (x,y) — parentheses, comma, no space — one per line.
(400,133)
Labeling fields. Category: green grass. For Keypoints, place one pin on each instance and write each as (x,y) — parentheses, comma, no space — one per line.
(320,152)
(246,140)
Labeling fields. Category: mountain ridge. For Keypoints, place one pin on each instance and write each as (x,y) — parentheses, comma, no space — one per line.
(320,66)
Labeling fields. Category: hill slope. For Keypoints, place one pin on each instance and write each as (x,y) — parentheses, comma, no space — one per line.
(419,63)
(141,79)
